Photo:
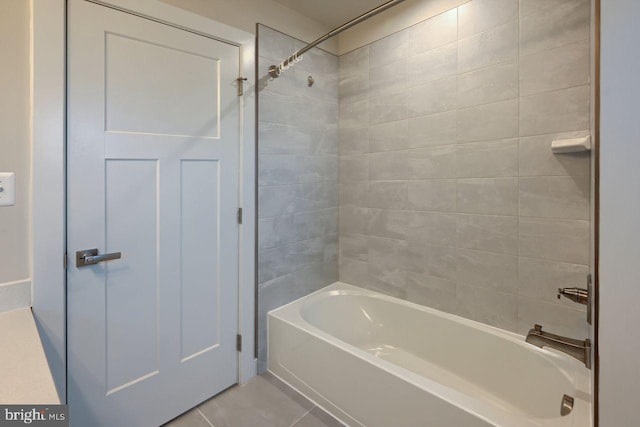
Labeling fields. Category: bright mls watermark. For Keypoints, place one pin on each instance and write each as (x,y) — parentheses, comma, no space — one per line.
(34,415)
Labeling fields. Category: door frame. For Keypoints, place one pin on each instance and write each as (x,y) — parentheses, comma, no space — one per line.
(48,143)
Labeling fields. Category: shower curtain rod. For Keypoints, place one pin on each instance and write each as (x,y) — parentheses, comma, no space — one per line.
(275,70)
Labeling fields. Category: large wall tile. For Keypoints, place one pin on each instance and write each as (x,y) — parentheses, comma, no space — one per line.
(389,136)
(432,291)
(390,49)
(276,138)
(433,162)
(486,85)
(432,227)
(561,240)
(554,318)
(497,196)
(311,251)
(355,62)
(555,26)
(354,272)
(540,279)
(354,193)
(434,32)
(488,306)
(527,7)
(354,168)
(560,111)
(497,45)
(487,159)
(434,97)
(432,65)
(391,165)
(276,231)
(353,246)
(537,159)
(354,141)
(354,114)
(481,15)
(489,270)
(433,195)
(488,122)
(278,170)
(277,200)
(331,220)
(488,233)
(314,168)
(387,252)
(432,260)
(387,279)
(388,108)
(555,197)
(276,262)
(389,223)
(554,69)
(354,88)
(388,78)
(388,194)
(355,219)
(278,108)
(436,129)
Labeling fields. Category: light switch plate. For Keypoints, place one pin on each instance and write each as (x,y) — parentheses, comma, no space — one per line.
(7,188)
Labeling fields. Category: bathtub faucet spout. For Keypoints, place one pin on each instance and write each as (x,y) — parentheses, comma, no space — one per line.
(580,350)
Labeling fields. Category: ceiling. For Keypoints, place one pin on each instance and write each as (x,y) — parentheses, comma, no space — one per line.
(333,13)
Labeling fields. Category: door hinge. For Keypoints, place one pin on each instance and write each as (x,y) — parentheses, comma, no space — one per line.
(239,342)
(241,81)
(65,261)
(239,215)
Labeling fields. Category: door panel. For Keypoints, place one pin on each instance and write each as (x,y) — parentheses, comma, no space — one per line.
(198,257)
(161,109)
(132,283)
(153,164)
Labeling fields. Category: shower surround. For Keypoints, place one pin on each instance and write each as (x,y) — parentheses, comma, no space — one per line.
(450,196)
(297,176)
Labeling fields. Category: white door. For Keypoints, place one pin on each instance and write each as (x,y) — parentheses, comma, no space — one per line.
(153,165)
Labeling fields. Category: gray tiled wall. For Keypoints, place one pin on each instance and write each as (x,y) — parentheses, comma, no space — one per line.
(449,193)
(297,176)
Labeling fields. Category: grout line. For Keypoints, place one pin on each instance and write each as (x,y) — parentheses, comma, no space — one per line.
(555,90)
(304,415)
(575,42)
(205,417)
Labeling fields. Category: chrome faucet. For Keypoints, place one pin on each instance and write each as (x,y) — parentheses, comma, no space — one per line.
(580,350)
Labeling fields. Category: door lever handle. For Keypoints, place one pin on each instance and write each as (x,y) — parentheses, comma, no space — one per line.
(91,257)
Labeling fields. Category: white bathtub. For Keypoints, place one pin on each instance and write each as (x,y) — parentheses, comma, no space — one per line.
(373,360)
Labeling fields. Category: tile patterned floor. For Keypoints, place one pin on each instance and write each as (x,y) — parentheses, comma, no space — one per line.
(263,402)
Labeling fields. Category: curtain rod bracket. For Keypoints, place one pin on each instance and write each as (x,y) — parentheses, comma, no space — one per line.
(274,71)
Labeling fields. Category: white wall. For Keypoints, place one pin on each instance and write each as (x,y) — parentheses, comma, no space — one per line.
(15,153)
(620,214)
(244,14)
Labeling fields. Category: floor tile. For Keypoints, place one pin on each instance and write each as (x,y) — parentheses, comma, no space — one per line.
(193,418)
(318,418)
(264,401)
